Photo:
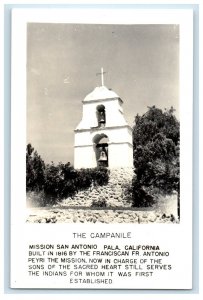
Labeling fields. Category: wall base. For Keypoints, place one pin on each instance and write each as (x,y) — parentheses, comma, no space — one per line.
(116,193)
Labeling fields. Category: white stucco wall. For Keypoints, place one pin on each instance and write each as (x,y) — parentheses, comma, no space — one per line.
(120,153)
(113,109)
(84,157)
(115,134)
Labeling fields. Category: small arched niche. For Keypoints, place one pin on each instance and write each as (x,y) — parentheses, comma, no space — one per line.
(101,115)
(101,149)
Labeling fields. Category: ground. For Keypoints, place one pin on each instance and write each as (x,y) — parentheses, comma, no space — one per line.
(165,211)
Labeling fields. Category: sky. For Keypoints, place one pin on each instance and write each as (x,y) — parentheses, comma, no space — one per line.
(141,64)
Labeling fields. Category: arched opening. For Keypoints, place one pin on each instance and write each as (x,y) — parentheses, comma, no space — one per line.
(101,149)
(101,115)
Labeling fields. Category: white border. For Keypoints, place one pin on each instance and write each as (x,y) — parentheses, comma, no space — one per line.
(197,296)
(20,18)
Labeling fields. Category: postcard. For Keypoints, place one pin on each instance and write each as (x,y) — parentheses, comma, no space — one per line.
(101,157)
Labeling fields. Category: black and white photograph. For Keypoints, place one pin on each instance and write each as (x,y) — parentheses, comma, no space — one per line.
(101,152)
(102,123)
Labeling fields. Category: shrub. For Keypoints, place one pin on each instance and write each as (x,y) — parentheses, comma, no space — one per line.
(101,202)
(155,154)
(60,181)
(69,177)
(35,168)
(84,179)
(141,197)
(92,177)
(56,182)
(100,176)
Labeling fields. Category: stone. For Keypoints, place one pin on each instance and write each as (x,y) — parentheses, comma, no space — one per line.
(172,218)
(144,215)
(103,216)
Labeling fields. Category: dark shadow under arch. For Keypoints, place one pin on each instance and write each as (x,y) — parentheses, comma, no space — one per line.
(101,115)
(101,149)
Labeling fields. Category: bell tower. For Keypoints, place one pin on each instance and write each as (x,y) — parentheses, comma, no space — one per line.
(103,137)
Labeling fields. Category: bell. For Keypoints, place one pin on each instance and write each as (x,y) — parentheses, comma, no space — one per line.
(102,123)
(103,156)
(102,118)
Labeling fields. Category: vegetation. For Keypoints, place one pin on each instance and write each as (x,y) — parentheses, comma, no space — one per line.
(35,170)
(156,165)
(56,182)
(101,202)
(156,155)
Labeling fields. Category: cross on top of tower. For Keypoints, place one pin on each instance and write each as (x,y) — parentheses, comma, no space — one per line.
(102,76)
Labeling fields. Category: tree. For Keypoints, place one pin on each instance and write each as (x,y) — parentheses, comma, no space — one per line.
(155,154)
(56,182)
(35,170)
